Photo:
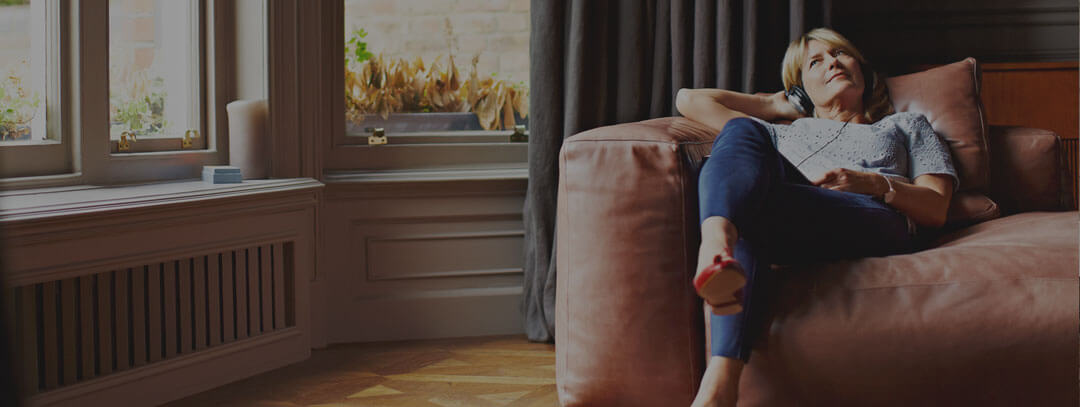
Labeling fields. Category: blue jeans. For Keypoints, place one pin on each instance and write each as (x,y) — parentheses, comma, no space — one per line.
(782,219)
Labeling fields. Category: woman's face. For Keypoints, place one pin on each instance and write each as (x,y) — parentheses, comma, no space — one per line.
(831,75)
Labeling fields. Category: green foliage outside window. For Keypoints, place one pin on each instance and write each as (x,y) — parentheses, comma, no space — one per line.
(139,104)
(356,48)
(18,106)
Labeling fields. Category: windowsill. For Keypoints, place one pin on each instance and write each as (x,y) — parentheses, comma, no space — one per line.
(30,143)
(445,137)
(427,175)
(29,204)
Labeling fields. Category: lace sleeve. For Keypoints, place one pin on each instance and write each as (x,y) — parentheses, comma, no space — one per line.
(928,152)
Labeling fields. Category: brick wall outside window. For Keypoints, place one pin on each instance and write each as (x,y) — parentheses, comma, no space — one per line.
(496,30)
(14,35)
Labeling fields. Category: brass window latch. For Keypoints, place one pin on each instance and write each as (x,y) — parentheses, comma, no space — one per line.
(377,137)
(126,139)
(189,138)
(519,135)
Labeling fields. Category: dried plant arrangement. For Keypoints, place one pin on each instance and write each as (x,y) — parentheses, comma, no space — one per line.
(494,100)
(381,86)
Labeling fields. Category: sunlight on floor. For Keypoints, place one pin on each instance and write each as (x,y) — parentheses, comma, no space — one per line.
(485,371)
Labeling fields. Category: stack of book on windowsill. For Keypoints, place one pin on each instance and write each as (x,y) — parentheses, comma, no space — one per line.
(221,174)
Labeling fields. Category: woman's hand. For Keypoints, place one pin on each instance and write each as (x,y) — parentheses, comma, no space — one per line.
(843,179)
(926,201)
(782,106)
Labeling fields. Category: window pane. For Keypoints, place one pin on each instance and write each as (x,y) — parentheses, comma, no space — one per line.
(154,84)
(466,61)
(23,72)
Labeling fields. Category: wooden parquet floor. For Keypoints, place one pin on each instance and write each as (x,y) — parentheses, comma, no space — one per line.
(481,372)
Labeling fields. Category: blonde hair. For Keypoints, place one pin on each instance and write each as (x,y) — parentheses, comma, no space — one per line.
(876,103)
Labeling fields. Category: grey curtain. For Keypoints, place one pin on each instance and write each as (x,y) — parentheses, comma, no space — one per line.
(600,62)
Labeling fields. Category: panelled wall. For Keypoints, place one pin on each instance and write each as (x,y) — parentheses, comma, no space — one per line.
(420,258)
(415,241)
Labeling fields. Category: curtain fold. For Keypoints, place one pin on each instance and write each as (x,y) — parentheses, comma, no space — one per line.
(601,62)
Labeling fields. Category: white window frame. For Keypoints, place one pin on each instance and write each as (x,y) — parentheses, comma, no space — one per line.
(80,115)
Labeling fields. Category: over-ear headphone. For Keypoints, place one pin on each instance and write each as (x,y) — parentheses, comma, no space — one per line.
(801,100)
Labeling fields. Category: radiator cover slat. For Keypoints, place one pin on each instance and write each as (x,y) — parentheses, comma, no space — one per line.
(77,329)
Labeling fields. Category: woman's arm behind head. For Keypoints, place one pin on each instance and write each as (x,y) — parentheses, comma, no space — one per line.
(715,107)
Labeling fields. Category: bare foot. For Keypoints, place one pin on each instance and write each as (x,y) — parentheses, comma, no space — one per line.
(718,237)
(720,384)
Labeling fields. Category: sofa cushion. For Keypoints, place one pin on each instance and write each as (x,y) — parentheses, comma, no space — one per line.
(969,207)
(988,317)
(949,98)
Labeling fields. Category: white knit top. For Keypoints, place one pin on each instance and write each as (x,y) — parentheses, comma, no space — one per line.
(902,145)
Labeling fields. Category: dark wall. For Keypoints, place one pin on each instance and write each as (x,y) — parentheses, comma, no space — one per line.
(897,36)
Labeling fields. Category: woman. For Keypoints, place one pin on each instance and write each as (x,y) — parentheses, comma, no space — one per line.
(850,180)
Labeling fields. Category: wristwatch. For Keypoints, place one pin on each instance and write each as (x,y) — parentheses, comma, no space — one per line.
(891,193)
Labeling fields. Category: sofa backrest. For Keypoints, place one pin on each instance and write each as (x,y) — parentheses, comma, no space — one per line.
(1028,170)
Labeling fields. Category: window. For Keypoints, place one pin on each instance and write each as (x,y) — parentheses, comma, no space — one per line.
(140,98)
(24,67)
(155,89)
(30,139)
(447,72)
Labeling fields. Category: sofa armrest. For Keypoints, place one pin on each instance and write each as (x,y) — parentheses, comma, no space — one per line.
(695,136)
(628,325)
(1028,170)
